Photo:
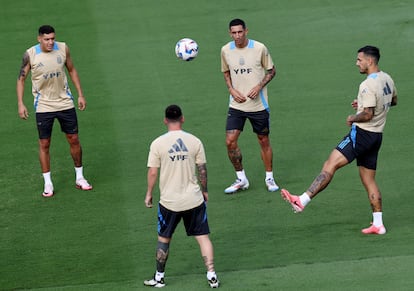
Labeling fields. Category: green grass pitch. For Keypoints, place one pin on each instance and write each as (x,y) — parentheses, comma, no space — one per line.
(124,52)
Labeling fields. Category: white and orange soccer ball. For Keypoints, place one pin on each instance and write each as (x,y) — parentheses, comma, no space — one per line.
(186,49)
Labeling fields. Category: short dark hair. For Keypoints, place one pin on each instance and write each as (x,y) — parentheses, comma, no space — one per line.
(237,21)
(371,51)
(46,29)
(173,113)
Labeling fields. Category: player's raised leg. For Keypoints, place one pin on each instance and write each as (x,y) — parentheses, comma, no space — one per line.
(335,161)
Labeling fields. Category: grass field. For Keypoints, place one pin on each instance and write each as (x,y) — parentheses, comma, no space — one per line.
(124,52)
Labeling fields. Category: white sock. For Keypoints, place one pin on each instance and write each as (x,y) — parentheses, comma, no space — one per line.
(241,175)
(79,172)
(304,199)
(47,177)
(159,275)
(269,175)
(377,219)
(211,275)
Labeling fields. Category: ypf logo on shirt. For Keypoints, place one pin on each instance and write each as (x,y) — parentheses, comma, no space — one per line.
(178,151)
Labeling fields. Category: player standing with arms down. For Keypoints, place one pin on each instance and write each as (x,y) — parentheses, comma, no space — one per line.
(376,95)
(247,67)
(52,99)
(182,196)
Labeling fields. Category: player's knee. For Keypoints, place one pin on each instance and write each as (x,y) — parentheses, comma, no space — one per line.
(44,144)
(263,141)
(231,143)
(73,139)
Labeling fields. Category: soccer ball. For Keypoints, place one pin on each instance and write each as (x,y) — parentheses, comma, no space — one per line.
(186,49)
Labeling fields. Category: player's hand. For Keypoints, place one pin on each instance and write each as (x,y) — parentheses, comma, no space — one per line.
(148,200)
(254,92)
(350,120)
(23,113)
(205,195)
(354,104)
(237,96)
(81,103)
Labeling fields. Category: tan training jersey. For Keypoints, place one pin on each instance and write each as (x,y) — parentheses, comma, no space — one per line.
(247,68)
(176,153)
(376,91)
(49,82)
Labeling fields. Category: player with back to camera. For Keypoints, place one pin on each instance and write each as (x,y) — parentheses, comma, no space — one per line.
(179,156)
(248,68)
(377,93)
(52,100)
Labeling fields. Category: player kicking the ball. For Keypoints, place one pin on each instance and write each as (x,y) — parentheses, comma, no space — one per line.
(376,95)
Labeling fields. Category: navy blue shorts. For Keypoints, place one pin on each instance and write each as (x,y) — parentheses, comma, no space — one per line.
(361,145)
(67,118)
(195,221)
(259,120)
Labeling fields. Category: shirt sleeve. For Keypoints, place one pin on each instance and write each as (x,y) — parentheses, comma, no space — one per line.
(224,65)
(154,160)
(201,155)
(368,95)
(267,61)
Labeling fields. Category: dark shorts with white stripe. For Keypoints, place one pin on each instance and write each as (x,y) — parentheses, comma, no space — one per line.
(361,145)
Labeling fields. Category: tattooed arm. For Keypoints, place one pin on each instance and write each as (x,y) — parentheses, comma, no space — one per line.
(202,178)
(254,92)
(363,116)
(270,74)
(24,71)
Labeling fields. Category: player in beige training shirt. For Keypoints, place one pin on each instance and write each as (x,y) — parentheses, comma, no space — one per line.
(377,93)
(47,62)
(179,156)
(247,67)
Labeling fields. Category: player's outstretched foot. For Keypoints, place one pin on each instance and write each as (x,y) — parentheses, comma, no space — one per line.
(48,191)
(214,282)
(83,184)
(293,200)
(271,185)
(237,185)
(154,283)
(374,230)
